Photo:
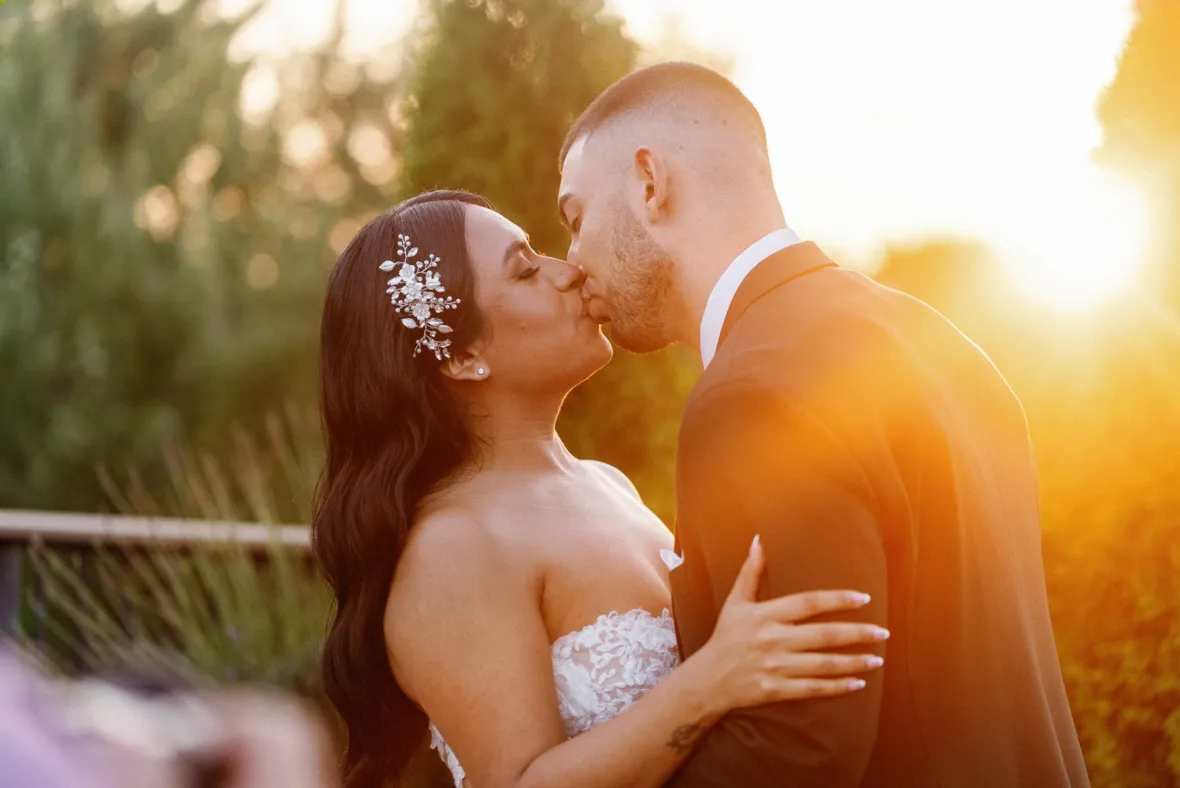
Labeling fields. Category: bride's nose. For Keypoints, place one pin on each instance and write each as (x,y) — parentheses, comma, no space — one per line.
(567,277)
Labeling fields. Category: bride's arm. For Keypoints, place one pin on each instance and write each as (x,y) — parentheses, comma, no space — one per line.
(468,643)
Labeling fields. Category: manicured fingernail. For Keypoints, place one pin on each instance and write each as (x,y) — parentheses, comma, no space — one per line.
(856,684)
(874,662)
(880,634)
(861,599)
(754,543)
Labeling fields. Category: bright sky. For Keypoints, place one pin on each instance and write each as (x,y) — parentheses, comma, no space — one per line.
(895,120)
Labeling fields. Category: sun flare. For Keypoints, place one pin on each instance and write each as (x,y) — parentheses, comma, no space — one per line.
(895,121)
(1083,247)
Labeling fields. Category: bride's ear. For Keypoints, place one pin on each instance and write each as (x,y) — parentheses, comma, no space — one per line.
(652,172)
(466,366)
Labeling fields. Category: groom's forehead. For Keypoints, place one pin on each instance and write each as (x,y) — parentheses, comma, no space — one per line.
(572,171)
(582,169)
(571,166)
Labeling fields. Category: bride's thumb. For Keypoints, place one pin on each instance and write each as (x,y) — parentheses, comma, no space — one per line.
(745,587)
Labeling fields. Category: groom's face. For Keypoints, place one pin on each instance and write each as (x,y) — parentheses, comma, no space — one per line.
(628,275)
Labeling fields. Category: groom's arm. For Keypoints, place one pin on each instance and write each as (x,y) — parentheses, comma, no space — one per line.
(752,461)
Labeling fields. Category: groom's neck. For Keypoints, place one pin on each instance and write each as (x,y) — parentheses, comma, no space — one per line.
(716,236)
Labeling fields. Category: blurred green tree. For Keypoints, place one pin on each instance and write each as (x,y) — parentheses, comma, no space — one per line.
(497,84)
(166,213)
(99,322)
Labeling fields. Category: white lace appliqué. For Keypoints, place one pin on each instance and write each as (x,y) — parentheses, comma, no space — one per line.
(600,670)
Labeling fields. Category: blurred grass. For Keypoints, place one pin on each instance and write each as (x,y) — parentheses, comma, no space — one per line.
(218,613)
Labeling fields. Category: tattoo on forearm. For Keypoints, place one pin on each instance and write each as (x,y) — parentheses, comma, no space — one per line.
(685,737)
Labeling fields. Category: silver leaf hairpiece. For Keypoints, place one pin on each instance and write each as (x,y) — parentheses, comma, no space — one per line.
(415,292)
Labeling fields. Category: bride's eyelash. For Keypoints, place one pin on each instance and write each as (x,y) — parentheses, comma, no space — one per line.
(530,272)
(530,269)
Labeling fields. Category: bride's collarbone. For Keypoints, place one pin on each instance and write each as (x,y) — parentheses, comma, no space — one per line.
(570,512)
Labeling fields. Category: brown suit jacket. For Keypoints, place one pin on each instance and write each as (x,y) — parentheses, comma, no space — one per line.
(873,447)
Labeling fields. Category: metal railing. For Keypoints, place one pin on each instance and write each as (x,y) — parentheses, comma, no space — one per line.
(21,531)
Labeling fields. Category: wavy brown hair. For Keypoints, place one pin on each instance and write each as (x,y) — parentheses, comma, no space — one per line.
(395,432)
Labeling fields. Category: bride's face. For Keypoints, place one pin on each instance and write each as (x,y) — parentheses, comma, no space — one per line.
(538,331)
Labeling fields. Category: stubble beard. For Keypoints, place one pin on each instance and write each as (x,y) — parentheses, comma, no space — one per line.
(640,288)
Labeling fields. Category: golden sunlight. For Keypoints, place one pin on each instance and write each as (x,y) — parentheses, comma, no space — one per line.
(1085,245)
(896,121)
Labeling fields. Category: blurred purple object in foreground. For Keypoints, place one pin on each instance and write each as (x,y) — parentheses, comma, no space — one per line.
(33,754)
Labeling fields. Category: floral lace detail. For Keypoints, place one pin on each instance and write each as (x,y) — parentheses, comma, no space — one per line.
(600,670)
(437,742)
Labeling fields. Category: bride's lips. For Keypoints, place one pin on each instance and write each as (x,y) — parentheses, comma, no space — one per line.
(593,307)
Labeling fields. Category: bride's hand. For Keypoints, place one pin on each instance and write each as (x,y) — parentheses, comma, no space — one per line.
(760,652)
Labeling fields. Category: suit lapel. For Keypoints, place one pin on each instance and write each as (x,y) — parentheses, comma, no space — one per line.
(694,613)
(775,271)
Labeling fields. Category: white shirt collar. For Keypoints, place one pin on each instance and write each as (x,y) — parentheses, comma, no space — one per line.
(717,307)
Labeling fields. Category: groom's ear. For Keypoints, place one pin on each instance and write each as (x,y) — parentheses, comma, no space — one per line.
(653,176)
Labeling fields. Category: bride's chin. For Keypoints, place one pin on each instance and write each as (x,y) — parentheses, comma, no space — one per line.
(596,355)
(607,350)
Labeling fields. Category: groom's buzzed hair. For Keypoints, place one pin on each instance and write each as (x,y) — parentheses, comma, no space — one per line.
(684,92)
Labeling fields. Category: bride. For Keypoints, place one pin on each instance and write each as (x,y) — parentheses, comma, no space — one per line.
(493,591)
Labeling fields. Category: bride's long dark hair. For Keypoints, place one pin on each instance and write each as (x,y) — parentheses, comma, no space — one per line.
(394,433)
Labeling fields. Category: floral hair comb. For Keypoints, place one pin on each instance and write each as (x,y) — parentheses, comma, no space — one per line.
(414,292)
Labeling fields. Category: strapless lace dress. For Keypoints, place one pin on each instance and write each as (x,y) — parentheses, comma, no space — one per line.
(600,670)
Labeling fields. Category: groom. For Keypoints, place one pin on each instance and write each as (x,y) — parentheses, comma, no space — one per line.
(869,444)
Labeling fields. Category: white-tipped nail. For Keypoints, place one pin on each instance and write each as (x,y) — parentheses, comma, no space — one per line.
(856,684)
(757,540)
(874,662)
(861,599)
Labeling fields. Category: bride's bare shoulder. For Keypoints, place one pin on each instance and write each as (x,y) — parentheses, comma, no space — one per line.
(454,570)
(452,542)
(454,552)
(614,476)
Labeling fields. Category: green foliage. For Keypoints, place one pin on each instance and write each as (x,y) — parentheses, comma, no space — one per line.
(497,85)
(162,254)
(78,281)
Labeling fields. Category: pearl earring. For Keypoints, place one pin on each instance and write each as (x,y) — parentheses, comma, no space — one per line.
(482,371)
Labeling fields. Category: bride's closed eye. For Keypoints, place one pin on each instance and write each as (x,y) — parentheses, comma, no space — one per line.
(527,267)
